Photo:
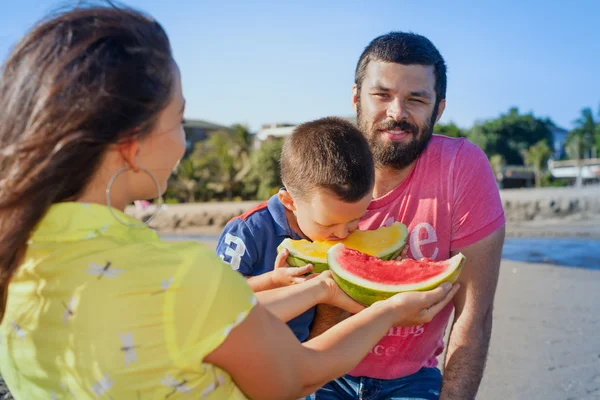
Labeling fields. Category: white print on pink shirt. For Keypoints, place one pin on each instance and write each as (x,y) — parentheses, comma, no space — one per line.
(397,331)
(414,240)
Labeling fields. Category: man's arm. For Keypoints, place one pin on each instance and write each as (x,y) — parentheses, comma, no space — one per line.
(326,316)
(472,327)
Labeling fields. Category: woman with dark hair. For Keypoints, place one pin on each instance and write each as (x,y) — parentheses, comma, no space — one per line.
(93,304)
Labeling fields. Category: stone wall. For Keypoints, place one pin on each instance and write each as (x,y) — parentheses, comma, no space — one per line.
(519,205)
(550,203)
(198,215)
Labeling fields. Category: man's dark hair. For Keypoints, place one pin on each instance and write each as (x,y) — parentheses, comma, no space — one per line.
(329,153)
(407,49)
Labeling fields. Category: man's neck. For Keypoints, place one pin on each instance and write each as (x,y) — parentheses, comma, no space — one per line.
(387,178)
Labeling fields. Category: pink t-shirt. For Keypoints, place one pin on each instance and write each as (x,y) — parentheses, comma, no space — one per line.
(449,201)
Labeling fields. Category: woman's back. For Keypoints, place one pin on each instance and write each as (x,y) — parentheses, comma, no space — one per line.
(101,309)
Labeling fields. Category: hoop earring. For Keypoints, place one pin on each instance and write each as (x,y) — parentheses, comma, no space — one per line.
(115,216)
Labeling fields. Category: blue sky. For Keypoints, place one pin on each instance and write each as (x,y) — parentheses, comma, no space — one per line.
(259,62)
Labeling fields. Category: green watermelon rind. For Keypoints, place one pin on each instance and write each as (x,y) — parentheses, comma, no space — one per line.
(295,261)
(367,296)
(394,254)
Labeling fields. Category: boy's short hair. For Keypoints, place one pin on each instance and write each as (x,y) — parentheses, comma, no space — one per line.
(328,153)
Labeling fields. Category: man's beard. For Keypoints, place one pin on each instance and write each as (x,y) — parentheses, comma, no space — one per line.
(397,155)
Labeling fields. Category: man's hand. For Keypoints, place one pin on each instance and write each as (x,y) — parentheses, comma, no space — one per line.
(284,275)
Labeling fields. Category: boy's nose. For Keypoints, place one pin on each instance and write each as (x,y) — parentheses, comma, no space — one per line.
(342,232)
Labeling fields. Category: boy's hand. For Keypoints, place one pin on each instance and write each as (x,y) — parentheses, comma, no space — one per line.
(284,275)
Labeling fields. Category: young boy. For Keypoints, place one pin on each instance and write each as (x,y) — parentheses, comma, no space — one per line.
(328,173)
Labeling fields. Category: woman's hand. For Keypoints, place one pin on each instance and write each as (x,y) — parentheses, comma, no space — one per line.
(416,308)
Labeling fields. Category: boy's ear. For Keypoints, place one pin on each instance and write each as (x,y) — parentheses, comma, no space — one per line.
(287,200)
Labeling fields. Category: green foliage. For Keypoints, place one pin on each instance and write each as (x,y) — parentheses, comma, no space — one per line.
(548,181)
(537,157)
(498,162)
(584,140)
(264,177)
(510,135)
(225,167)
(449,129)
(185,184)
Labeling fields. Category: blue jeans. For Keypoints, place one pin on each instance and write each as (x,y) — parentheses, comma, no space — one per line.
(422,385)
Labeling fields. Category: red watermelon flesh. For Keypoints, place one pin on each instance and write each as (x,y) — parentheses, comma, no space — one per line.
(393,272)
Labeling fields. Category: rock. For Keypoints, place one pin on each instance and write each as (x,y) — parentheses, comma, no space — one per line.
(164,220)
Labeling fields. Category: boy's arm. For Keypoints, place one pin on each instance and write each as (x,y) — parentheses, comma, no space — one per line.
(237,247)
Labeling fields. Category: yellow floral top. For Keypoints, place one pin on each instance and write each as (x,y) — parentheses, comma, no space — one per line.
(99,310)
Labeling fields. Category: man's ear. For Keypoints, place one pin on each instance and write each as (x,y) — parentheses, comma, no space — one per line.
(129,150)
(287,200)
(441,108)
(355,98)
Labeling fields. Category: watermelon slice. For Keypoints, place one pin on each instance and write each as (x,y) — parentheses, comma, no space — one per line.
(385,243)
(368,279)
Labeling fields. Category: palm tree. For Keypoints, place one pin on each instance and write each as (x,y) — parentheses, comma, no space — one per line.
(537,157)
(597,135)
(225,154)
(581,140)
(498,162)
(186,180)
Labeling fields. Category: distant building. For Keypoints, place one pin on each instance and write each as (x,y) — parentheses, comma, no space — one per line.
(281,130)
(559,138)
(197,130)
(274,130)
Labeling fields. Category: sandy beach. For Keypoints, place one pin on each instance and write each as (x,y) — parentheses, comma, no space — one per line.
(545,341)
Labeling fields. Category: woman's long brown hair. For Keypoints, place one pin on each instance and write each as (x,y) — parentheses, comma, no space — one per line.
(76,83)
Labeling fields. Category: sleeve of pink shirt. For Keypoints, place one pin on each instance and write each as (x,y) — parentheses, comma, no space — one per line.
(477,208)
